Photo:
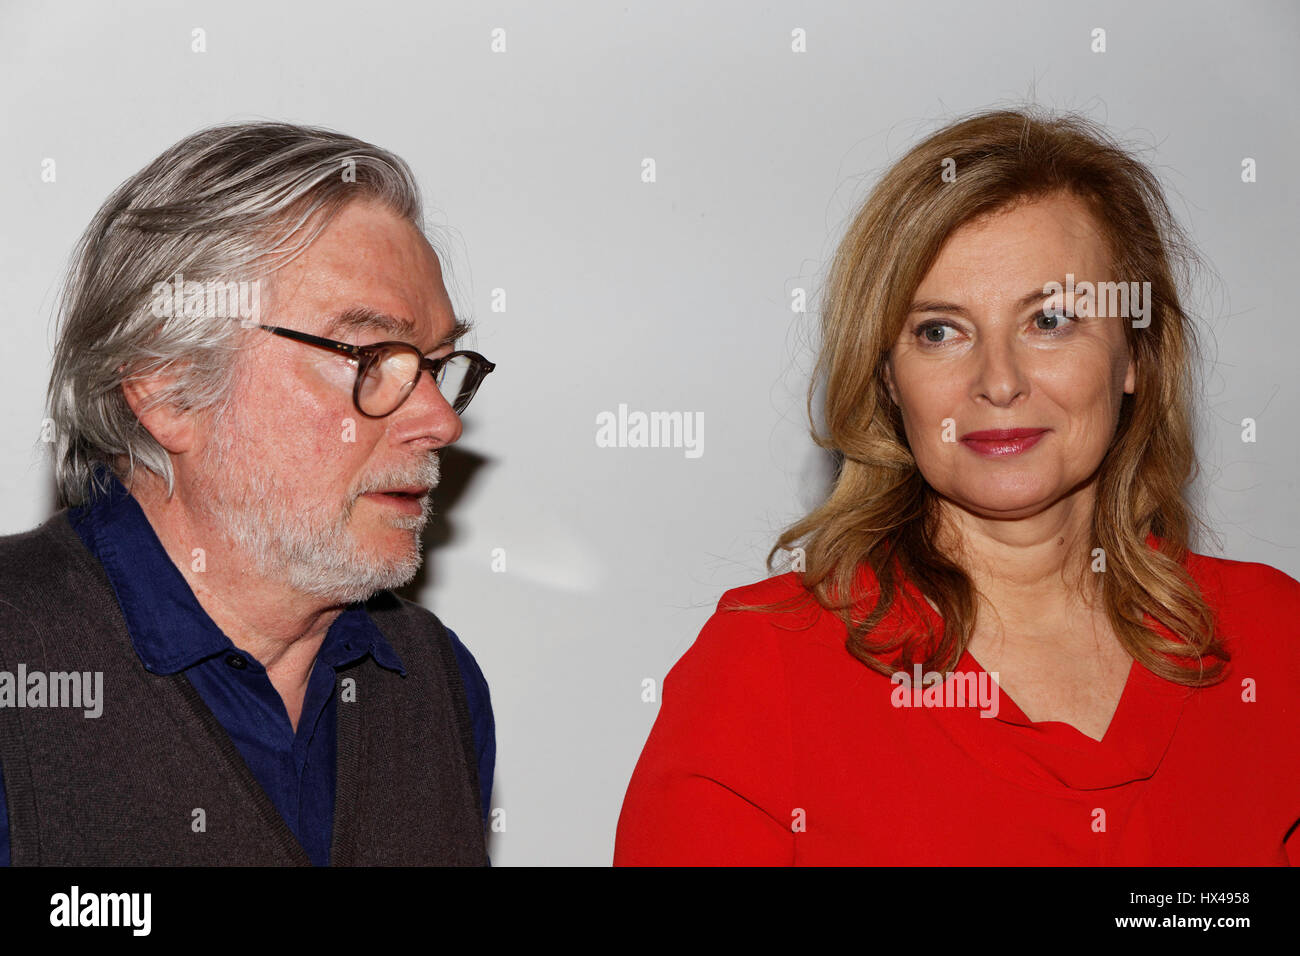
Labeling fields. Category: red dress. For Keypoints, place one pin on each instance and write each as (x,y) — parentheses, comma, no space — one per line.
(774,746)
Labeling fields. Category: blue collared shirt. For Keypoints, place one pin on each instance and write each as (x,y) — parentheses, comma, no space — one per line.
(172,633)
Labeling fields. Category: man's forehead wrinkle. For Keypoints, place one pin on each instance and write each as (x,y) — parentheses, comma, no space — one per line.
(287,291)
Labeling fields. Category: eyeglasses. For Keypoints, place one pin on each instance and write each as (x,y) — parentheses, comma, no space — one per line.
(387,372)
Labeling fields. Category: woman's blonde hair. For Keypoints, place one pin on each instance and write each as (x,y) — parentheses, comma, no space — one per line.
(881,513)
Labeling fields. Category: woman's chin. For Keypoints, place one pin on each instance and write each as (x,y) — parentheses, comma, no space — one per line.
(1007,503)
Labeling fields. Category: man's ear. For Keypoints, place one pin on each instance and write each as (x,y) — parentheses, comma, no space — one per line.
(171,427)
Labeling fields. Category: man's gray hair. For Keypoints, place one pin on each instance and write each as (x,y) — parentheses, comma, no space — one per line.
(220,206)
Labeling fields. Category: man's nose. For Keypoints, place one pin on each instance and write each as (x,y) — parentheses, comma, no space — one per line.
(426,411)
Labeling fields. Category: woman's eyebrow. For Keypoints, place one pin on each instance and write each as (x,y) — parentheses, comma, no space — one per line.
(937,305)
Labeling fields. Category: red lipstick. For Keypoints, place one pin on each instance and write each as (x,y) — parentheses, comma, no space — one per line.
(998,442)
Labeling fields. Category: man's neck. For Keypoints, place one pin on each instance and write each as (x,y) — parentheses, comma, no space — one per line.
(278,626)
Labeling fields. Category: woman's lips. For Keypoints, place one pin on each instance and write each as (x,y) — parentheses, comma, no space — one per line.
(995,443)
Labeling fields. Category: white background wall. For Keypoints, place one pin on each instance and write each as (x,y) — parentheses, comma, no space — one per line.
(666,296)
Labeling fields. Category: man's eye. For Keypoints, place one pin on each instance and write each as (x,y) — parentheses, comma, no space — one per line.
(338,369)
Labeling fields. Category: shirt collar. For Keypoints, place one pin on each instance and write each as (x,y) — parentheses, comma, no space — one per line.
(169,629)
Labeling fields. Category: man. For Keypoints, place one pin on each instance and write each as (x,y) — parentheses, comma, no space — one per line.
(243,487)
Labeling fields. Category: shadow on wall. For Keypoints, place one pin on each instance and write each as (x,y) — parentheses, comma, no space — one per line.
(457,468)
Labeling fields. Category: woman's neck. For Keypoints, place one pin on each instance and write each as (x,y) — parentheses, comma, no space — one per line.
(1027,569)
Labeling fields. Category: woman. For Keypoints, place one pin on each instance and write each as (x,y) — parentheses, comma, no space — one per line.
(995,647)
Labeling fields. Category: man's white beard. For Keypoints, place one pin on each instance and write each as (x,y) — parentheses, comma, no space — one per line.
(313,550)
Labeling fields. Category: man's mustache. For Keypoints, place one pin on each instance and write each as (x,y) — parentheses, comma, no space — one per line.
(428,476)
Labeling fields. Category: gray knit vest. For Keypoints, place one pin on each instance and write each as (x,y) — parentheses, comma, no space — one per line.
(125,788)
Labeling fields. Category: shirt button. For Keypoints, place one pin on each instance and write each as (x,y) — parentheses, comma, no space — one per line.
(237,662)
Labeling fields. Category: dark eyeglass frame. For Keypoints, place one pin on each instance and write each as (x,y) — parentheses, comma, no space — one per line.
(365,356)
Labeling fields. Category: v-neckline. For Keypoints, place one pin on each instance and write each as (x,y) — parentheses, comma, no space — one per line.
(1055,753)
(1020,718)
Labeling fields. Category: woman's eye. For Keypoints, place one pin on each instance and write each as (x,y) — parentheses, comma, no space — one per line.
(933,333)
(1052,320)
